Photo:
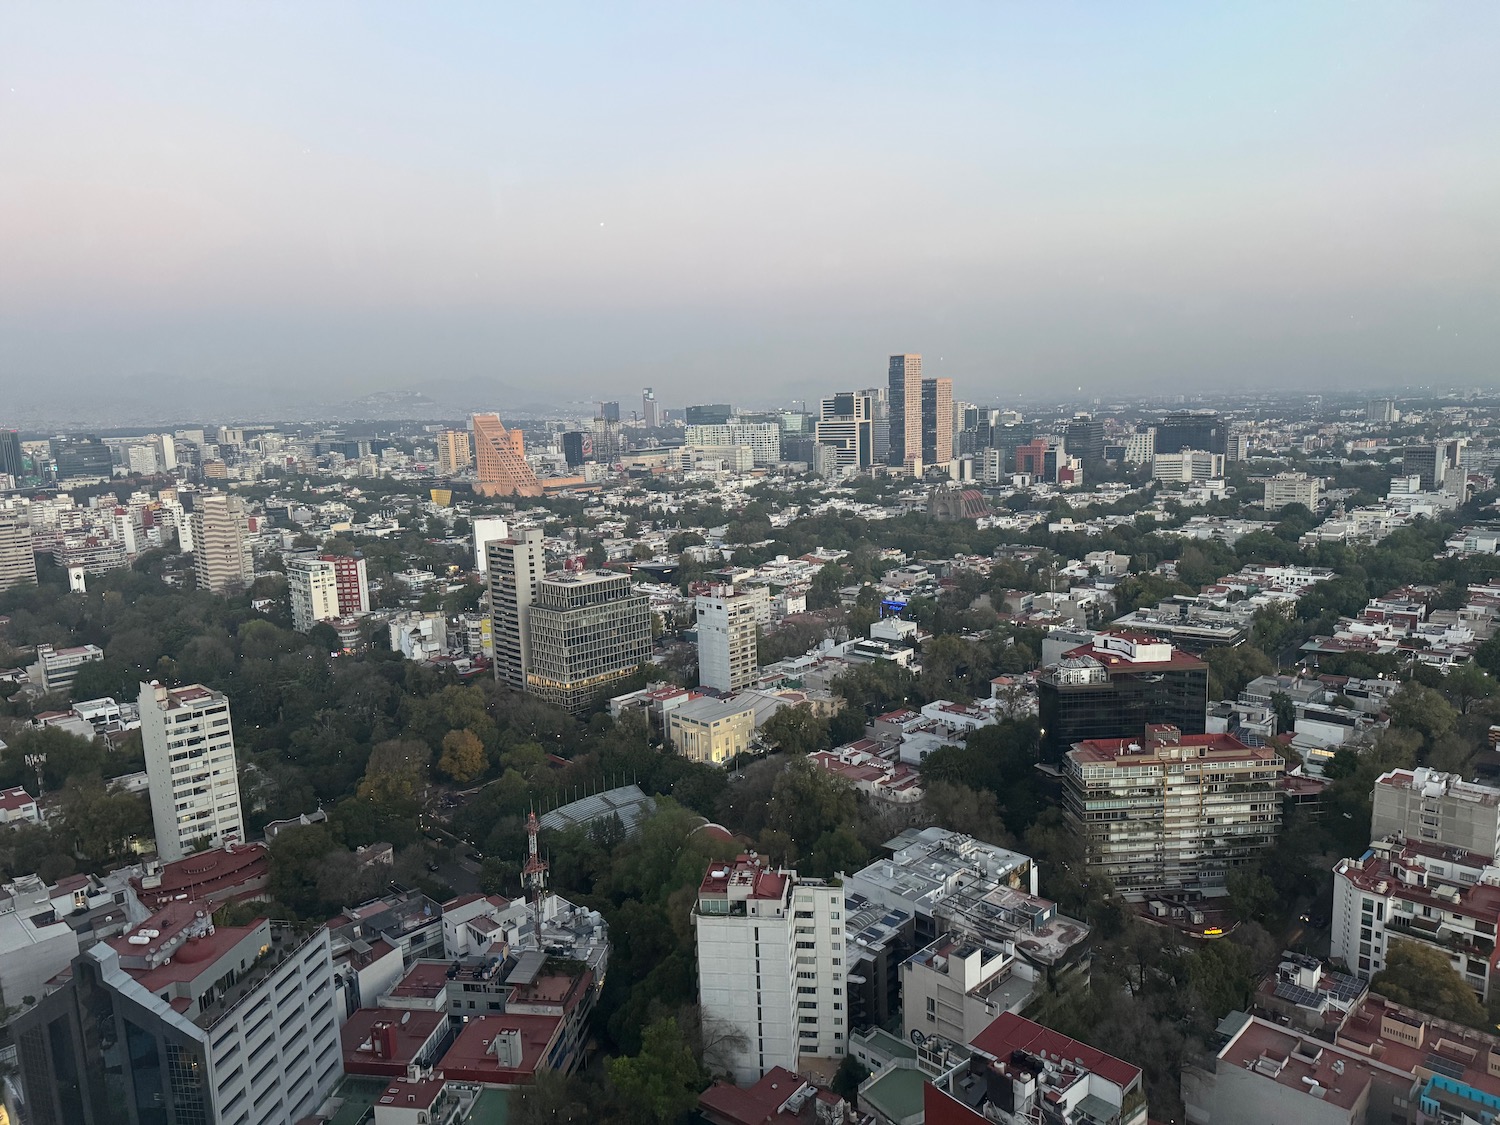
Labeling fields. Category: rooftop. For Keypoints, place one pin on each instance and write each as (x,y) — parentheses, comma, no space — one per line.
(475,1056)
(1433,783)
(1298,1063)
(1010,1033)
(746,877)
(386,1041)
(1159,746)
(214,874)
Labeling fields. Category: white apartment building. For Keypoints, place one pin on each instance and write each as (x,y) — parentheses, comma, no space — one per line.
(1435,896)
(1188,466)
(17,563)
(763,438)
(771,951)
(487,529)
(56,668)
(514,568)
(727,658)
(191,768)
(1140,446)
(1292,488)
(314,587)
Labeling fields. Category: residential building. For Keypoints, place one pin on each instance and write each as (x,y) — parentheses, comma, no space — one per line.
(1237,446)
(454,451)
(513,568)
(419,636)
(191,766)
(181,1022)
(18,807)
(1118,683)
(1438,809)
(352,581)
(1140,447)
(36,943)
(771,952)
(1017,1072)
(937,421)
(500,459)
(1191,429)
(56,668)
(1381,411)
(486,529)
(313,587)
(763,438)
(711,730)
(1408,891)
(1292,488)
(727,636)
(958,985)
(904,403)
(778,1098)
(222,561)
(1426,462)
(846,422)
(1168,813)
(17,562)
(649,417)
(586,632)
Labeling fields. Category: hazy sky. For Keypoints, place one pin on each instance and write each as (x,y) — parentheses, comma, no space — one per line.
(747,201)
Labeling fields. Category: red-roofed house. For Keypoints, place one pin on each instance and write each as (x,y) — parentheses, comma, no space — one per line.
(18,807)
(385,1041)
(505,1050)
(779,1098)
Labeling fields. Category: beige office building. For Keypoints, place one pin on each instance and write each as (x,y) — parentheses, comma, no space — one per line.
(17,563)
(454,451)
(587,632)
(711,730)
(221,547)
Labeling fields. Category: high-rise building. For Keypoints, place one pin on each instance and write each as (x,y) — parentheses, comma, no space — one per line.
(513,568)
(454,453)
(82,457)
(353,583)
(727,658)
(11,463)
(587,631)
(609,412)
(846,422)
(500,459)
(1165,812)
(937,421)
(1140,447)
(1120,682)
(577,447)
(1084,438)
(1381,411)
(712,414)
(904,401)
(649,417)
(1292,488)
(314,590)
(1187,465)
(763,438)
(1427,462)
(184,1022)
(222,560)
(191,768)
(771,964)
(17,563)
(1008,437)
(1192,429)
(485,529)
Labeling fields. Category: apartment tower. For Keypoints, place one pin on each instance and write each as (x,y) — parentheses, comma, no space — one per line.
(314,589)
(17,563)
(221,548)
(513,568)
(454,453)
(937,421)
(727,658)
(190,768)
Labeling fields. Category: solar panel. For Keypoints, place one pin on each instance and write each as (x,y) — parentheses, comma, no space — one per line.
(1446,1067)
(1346,987)
(1296,994)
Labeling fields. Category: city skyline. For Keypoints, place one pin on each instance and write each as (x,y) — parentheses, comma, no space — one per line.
(214,207)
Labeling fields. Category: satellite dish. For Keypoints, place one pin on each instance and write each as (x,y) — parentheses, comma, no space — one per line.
(917,1037)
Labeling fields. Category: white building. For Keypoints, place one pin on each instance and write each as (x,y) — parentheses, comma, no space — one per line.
(1187,466)
(763,438)
(487,529)
(35,943)
(419,636)
(56,668)
(1292,488)
(514,568)
(195,788)
(727,658)
(314,588)
(771,951)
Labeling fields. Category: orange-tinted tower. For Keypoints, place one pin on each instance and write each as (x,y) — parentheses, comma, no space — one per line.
(500,458)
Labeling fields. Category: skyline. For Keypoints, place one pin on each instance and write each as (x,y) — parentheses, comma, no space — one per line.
(313,205)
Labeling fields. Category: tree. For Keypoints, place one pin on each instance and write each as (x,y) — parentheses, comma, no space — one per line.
(1466,684)
(1286,712)
(847,1079)
(1423,710)
(823,591)
(463,756)
(663,1081)
(1420,976)
(795,730)
(1230,669)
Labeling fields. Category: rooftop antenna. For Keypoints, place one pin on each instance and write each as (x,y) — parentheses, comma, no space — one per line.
(534,874)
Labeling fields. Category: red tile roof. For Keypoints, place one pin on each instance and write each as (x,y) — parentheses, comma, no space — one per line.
(472,1057)
(1013,1033)
(385,1041)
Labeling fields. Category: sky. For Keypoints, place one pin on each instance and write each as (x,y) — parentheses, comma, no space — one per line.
(529,203)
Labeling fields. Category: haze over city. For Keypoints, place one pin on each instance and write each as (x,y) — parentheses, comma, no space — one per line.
(278,207)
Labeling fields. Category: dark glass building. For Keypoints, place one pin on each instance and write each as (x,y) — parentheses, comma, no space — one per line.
(1084,439)
(10,454)
(1192,429)
(1009,437)
(82,457)
(712,414)
(1115,687)
(577,447)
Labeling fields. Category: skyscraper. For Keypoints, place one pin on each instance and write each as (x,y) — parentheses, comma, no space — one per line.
(500,456)
(17,563)
(190,768)
(453,451)
(221,550)
(937,421)
(727,659)
(1427,462)
(586,632)
(904,395)
(82,457)
(648,409)
(314,589)
(846,422)
(1084,439)
(712,414)
(10,453)
(514,567)
(609,412)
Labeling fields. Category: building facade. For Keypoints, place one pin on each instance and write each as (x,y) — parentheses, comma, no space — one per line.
(1292,488)
(1115,684)
(904,404)
(727,628)
(763,438)
(937,421)
(710,730)
(587,632)
(222,562)
(500,459)
(846,422)
(513,567)
(1191,429)
(1438,809)
(771,966)
(313,587)
(191,768)
(454,451)
(1164,812)
(17,562)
